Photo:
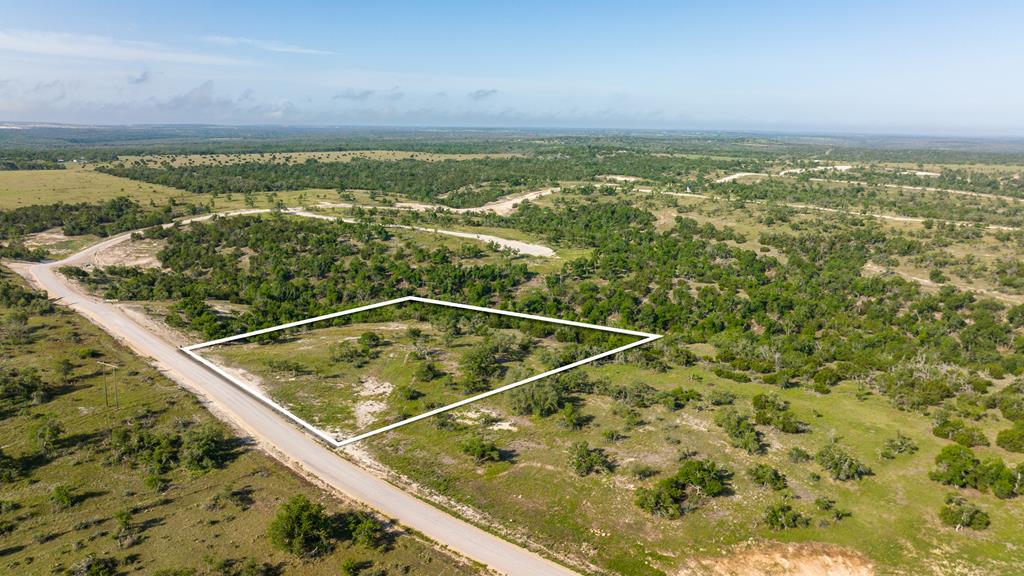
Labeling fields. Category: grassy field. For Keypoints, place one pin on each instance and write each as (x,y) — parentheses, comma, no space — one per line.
(894,520)
(210,522)
(30,187)
(593,520)
(331,378)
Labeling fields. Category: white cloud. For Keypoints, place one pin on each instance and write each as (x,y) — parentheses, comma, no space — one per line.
(268,45)
(91,47)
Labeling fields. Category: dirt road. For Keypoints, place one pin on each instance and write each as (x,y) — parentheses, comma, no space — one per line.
(281,439)
(502,207)
(521,247)
(798,206)
(737,176)
(873,268)
(925,189)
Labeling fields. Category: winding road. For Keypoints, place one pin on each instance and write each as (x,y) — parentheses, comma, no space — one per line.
(284,441)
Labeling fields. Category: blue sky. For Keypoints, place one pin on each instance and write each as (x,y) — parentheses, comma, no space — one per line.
(893,67)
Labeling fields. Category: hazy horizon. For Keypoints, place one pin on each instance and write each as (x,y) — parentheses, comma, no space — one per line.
(877,69)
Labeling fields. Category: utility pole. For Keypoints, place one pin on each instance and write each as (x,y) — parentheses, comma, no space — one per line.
(117,399)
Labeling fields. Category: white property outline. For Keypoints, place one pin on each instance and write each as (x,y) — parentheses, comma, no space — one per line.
(645,338)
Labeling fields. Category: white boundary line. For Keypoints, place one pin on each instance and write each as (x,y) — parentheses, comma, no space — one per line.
(645,338)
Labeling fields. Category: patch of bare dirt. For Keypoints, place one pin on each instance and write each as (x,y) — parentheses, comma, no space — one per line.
(140,253)
(492,418)
(371,389)
(775,559)
(45,238)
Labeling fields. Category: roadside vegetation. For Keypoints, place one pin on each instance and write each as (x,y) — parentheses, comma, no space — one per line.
(109,471)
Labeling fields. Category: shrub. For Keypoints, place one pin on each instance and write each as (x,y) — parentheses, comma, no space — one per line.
(351,567)
(301,527)
(1011,439)
(61,497)
(408,393)
(364,529)
(643,471)
(781,516)
(678,397)
(204,448)
(767,476)
(570,417)
(585,460)
(480,449)
(959,431)
(798,455)
(770,410)
(960,513)
(428,372)
(740,430)
(674,496)
(10,469)
(723,372)
(840,464)
(542,398)
(899,445)
(369,340)
(957,466)
(827,377)
(46,434)
(829,505)
(721,397)
(93,566)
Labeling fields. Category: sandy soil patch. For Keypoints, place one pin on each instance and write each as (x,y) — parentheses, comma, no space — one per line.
(45,238)
(495,420)
(873,269)
(503,207)
(737,176)
(371,386)
(140,253)
(810,559)
(840,168)
(371,389)
(515,245)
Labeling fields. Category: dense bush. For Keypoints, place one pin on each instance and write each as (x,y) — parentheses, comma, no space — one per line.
(839,464)
(1011,439)
(585,460)
(766,476)
(302,528)
(781,516)
(480,449)
(740,430)
(673,496)
(770,410)
(958,466)
(957,430)
(960,513)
